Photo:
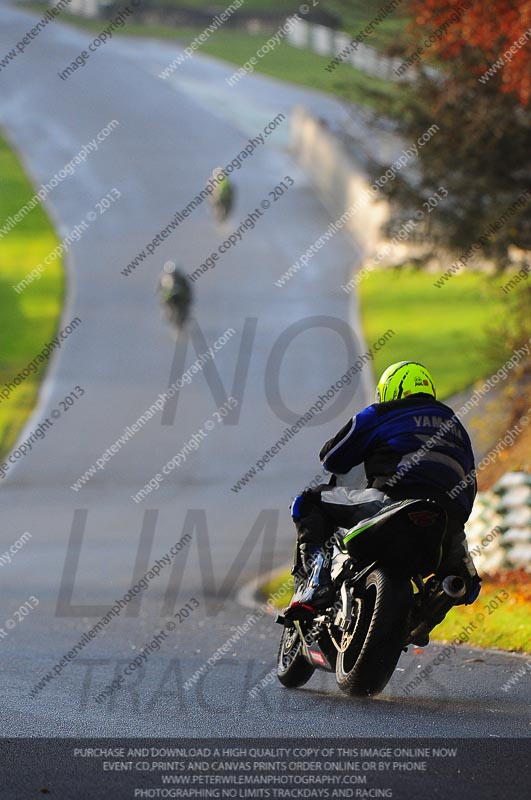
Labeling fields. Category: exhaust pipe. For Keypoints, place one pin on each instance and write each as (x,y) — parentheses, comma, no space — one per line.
(454,587)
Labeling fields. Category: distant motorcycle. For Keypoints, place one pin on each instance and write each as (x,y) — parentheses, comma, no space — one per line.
(175,293)
(222,198)
(382,601)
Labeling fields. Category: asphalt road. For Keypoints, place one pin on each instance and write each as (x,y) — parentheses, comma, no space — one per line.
(171,135)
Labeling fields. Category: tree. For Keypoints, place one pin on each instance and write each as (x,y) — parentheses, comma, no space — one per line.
(482,152)
(490,30)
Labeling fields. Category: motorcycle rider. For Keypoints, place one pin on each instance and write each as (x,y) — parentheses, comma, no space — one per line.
(412,446)
(223,195)
(176,293)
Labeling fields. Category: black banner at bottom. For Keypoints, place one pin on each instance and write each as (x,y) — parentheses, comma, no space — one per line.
(475,769)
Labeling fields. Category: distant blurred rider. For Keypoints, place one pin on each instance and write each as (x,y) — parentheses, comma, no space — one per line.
(222,197)
(175,293)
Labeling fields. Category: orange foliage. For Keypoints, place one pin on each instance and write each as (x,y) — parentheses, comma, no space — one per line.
(516,582)
(490,28)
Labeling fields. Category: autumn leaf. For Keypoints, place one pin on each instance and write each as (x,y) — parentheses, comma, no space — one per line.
(490,30)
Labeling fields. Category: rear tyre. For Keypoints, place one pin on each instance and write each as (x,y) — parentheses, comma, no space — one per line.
(370,651)
(292,668)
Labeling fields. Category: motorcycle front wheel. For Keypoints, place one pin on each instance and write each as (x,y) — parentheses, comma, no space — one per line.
(370,650)
(292,668)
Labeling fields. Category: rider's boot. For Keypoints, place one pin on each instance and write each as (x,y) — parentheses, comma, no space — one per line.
(316,592)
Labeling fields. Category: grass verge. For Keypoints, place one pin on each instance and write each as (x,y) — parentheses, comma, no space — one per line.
(491,621)
(30,318)
(442,328)
(500,617)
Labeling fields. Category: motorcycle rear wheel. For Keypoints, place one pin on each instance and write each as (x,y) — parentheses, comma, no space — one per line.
(292,668)
(370,652)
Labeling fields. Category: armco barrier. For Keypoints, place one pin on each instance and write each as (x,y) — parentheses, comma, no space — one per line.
(340,176)
(342,184)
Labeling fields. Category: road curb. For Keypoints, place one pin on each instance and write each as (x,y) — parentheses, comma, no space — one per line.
(250,595)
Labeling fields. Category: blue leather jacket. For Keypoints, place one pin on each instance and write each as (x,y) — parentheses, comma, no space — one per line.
(414,447)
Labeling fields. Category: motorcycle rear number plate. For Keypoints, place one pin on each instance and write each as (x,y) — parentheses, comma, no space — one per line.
(317,657)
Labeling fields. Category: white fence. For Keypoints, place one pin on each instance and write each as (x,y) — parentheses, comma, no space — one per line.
(83,8)
(327,42)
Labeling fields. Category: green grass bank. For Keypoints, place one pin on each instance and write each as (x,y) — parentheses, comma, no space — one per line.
(29,317)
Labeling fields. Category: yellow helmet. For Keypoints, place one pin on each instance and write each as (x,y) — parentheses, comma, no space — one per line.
(402,380)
